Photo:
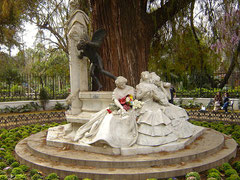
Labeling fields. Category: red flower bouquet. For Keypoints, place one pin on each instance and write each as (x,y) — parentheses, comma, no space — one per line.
(126,102)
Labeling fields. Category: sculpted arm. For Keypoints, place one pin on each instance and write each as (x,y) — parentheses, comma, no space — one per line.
(116,101)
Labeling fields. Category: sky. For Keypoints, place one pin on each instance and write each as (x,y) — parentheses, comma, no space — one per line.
(29,34)
(28,37)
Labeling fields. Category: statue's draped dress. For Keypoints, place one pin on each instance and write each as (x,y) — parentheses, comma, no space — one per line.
(114,129)
(159,124)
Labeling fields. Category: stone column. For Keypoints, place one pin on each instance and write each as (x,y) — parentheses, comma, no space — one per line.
(77,27)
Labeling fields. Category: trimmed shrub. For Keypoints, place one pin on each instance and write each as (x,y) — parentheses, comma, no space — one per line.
(2,154)
(15,164)
(193,174)
(17,170)
(233,177)
(213,170)
(236,166)
(20,177)
(3,177)
(36,177)
(229,172)
(52,176)
(226,166)
(2,165)
(24,168)
(10,160)
(71,177)
(214,175)
(33,172)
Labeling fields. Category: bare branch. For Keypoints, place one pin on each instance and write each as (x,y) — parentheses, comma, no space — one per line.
(167,12)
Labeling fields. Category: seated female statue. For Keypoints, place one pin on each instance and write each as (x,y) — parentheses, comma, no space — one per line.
(115,125)
(159,121)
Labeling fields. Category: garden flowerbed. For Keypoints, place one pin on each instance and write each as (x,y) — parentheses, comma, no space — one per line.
(11,169)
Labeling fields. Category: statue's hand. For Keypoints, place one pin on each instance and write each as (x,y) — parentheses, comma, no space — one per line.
(122,111)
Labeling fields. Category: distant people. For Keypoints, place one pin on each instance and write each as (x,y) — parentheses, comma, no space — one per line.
(217,101)
(225,102)
(173,94)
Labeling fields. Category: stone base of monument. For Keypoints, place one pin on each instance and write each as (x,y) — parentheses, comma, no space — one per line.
(55,138)
(92,102)
(207,151)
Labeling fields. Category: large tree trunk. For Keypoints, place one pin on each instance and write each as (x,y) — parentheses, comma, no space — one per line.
(130,29)
(126,47)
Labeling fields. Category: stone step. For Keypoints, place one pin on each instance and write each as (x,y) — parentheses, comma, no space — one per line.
(209,143)
(46,165)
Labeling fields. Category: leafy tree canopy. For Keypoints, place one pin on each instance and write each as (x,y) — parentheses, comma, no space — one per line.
(12,15)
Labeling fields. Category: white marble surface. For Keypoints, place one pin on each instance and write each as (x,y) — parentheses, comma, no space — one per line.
(55,138)
(77,27)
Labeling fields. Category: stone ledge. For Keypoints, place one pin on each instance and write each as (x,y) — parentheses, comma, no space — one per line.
(47,165)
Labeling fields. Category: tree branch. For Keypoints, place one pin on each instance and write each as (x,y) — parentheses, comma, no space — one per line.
(167,12)
(60,39)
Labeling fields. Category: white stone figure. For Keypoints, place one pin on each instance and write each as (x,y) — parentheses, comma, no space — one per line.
(159,122)
(164,86)
(154,127)
(117,128)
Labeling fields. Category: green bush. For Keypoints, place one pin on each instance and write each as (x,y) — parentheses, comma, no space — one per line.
(52,176)
(16,171)
(43,96)
(59,106)
(24,168)
(233,177)
(2,154)
(229,172)
(193,174)
(214,175)
(213,170)
(71,177)
(226,166)
(3,177)
(36,177)
(10,160)
(15,164)
(236,166)
(2,172)
(2,165)
(20,177)
(33,172)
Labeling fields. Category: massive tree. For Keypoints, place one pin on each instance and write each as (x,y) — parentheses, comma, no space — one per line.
(130,27)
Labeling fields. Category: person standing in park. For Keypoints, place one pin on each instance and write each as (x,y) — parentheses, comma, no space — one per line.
(225,102)
(217,101)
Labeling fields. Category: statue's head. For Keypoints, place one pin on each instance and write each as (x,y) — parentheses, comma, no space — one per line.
(145,76)
(121,82)
(154,77)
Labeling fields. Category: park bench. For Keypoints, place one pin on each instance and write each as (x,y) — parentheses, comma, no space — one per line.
(211,103)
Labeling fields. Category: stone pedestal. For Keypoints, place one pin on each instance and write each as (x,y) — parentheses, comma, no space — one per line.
(91,102)
(77,27)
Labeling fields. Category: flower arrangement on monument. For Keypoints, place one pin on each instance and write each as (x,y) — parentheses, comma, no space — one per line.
(127,102)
